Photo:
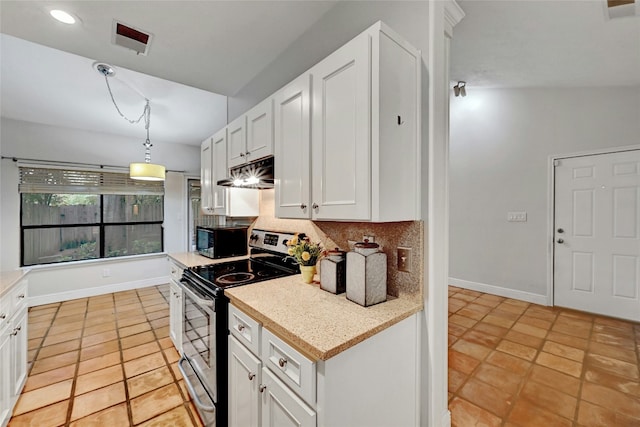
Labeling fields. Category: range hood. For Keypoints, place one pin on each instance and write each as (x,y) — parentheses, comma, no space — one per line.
(257,174)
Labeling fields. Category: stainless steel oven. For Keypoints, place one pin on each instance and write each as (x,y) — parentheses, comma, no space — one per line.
(205,320)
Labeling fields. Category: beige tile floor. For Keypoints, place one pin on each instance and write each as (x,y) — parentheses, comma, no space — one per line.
(512,363)
(104,361)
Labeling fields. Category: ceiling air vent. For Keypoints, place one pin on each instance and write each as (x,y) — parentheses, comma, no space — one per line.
(622,8)
(130,37)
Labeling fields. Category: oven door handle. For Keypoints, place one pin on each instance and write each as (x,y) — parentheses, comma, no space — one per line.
(192,391)
(196,298)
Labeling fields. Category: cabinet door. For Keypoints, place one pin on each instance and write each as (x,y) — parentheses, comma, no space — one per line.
(260,130)
(220,171)
(5,373)
(18,343)
(237,149)
(341,140)
(281,407)
(244,382)
(292,144)
(206,177)
(175,315)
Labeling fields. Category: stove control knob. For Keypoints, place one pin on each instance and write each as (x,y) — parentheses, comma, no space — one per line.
(284,242)
(253,237)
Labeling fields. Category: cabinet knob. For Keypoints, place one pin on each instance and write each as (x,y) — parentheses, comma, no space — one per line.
(3,316)
(20,296)
(240,327)
(251,376)
(262,388)
(241,154)
(303,206)
(247,153)
(315,206)
(15,332)
(282,362)
(560,240)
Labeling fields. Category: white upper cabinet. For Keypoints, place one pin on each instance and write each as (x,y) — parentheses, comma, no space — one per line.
(292,143)
(364,150)
(251,135)
(237,132)
(341,123)
(206,178)
(260,130)
(220,171)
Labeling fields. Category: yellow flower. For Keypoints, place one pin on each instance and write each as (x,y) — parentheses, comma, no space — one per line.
(290,251)
(306,256)
(293,241)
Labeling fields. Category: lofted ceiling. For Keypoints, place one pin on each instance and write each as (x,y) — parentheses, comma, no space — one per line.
(203,51)
(536,43)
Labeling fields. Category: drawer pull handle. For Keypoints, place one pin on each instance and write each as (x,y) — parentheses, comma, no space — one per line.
(282,362)
(251,376)
(262,388)
(240,327)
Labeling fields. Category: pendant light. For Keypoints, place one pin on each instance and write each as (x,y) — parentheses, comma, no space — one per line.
(146,171)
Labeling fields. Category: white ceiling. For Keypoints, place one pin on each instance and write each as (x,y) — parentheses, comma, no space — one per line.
(201,48)
(525,43)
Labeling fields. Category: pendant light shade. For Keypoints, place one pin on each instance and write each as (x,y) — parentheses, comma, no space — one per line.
(146,172)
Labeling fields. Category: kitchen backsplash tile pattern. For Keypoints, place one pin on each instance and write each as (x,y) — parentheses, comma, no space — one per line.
(337,234)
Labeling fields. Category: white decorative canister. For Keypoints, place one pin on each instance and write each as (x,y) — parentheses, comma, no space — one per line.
(366,274)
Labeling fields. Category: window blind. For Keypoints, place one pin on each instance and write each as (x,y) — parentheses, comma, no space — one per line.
(67,181)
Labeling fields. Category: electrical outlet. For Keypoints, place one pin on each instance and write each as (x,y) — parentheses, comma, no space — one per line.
(106,272)
(369,238)
(404,259)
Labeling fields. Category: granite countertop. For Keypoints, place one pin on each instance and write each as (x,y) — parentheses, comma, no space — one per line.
(193,259)
(315,322)
(10,278)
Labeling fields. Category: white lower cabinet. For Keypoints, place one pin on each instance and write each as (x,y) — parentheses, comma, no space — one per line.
(245,375)
(281,407)
(274,385)
(13,348)
(5,373)
(18,341)
(175,314)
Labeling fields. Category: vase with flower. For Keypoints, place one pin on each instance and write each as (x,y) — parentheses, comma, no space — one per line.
(306,253)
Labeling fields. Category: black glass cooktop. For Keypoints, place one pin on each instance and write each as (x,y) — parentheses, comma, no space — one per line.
(242,272)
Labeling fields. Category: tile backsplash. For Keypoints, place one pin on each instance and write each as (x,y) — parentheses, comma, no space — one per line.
(334,234)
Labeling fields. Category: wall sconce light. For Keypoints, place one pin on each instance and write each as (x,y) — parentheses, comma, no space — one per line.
(459,89)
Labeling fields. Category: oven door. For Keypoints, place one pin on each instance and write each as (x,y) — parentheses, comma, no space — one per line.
(198,363)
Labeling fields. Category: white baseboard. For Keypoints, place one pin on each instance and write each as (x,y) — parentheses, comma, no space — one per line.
(500,291)
(446,419)
(98,290)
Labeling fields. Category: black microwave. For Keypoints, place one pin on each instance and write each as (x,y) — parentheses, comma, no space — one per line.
(221,242)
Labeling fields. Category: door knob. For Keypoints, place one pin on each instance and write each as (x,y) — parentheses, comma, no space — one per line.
(560,240)
(560,230)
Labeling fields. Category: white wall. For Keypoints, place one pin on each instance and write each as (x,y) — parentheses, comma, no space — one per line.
(57,282)
(501,140)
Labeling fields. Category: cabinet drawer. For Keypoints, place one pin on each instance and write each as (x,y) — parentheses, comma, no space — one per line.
(298,372)
(245,329)
(174,271)
(18,297)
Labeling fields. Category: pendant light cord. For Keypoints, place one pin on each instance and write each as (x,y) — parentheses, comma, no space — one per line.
(146,113)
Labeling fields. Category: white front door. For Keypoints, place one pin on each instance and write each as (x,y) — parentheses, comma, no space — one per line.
(597,234)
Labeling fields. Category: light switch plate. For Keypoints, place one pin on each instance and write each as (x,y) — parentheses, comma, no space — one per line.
(517,216)
(404,259)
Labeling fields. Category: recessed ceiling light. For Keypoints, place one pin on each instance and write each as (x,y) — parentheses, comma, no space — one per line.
(63,16)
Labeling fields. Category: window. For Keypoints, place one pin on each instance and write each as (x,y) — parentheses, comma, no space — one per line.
(78,215)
